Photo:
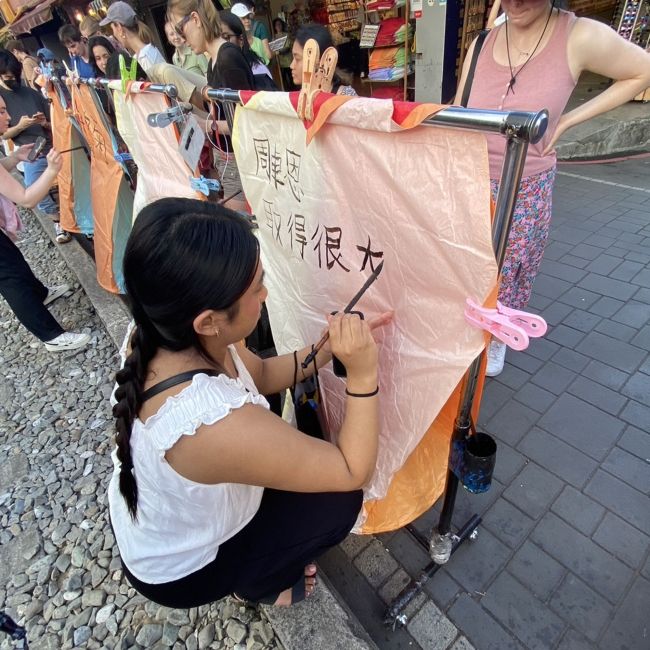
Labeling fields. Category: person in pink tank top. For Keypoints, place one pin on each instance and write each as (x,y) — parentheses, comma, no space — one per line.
(533,61)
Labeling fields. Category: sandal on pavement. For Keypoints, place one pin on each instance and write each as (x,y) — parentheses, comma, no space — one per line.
(298,593)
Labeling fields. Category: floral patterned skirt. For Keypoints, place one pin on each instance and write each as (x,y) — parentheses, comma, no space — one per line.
(528,235)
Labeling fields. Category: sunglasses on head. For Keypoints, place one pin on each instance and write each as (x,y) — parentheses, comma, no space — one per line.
(180,26)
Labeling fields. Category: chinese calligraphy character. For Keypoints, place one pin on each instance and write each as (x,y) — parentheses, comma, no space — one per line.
(273,220)
(276,168)
(296,228)
(332,245)
(262,153)
(368,255)
(293,174)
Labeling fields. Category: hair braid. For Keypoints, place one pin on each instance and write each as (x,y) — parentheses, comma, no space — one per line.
(130,380)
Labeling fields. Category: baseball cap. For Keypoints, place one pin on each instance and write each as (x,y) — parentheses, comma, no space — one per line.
(122,13)
(240,10)
(45,54)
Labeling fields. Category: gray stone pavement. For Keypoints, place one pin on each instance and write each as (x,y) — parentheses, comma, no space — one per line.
(561,560)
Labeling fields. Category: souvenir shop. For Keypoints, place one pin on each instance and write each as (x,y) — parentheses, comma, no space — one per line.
(414,49)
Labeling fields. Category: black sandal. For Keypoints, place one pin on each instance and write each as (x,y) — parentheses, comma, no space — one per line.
(298,594)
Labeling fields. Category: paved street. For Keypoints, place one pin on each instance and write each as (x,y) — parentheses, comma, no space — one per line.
(561,560)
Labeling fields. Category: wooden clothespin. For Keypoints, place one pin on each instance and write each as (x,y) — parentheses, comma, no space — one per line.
(317,75)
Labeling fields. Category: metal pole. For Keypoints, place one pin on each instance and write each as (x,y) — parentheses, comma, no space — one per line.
(166,89)
(513,164)
(526,126)
(393,616)
(443,543)
(519,128)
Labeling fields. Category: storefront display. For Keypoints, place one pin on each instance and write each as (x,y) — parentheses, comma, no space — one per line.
(632,22)
(390,61)
(340,15)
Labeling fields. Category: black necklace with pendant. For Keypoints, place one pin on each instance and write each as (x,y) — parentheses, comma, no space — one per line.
(514,75)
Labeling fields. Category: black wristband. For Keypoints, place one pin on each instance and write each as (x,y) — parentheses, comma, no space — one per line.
(374,392)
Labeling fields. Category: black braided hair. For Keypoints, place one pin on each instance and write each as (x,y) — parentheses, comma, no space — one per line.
(183,257)
(130,381)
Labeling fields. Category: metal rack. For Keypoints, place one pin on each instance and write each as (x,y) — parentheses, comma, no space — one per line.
(409,70)
(520,129)
(138,86)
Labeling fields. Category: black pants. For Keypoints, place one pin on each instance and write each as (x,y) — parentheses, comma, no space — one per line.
(25,293)
(269,554)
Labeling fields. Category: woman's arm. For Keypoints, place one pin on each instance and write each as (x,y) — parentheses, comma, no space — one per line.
(28,197)
(17,155)
(595,47)
(24,123)
(254,447)
(276,373)
(267,49)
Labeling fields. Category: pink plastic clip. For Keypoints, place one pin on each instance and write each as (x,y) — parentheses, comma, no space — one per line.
(511,326)
(534,326)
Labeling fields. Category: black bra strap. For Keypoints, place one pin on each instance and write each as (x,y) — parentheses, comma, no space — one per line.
(175,380)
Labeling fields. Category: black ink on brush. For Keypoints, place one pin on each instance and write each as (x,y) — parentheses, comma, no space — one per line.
(347,309)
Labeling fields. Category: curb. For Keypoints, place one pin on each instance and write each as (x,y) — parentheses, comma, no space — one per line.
(323,622)
(605,137)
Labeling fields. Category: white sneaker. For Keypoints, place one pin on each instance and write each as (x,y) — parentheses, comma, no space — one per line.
(67,341)
(55,292)
(496,355)
(62,237)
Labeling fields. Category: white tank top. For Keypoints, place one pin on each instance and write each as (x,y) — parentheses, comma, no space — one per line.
(180,523)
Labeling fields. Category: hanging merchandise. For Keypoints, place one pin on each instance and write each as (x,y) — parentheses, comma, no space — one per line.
(390,58)
(474,20)
(341,16)
(632,21)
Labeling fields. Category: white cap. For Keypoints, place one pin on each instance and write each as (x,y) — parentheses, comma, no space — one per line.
(240,10)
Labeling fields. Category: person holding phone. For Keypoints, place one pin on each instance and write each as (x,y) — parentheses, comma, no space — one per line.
(28,110)
(27,296)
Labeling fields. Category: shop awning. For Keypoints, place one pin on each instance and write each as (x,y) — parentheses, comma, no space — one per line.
(37,15)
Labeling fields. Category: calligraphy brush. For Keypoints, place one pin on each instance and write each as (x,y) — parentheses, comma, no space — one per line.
(73,149)
(347,309)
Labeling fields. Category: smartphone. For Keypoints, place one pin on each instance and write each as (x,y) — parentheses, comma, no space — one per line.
(38,147)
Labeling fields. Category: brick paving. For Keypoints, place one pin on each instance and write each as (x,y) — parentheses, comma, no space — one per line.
(561,560)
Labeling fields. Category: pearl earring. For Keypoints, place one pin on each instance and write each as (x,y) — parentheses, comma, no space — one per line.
(217,332)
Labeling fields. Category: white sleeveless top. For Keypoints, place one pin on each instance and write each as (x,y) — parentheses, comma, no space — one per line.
(180,523)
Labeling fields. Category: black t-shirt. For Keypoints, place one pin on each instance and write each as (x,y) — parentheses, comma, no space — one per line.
(26,101)
(232,70)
